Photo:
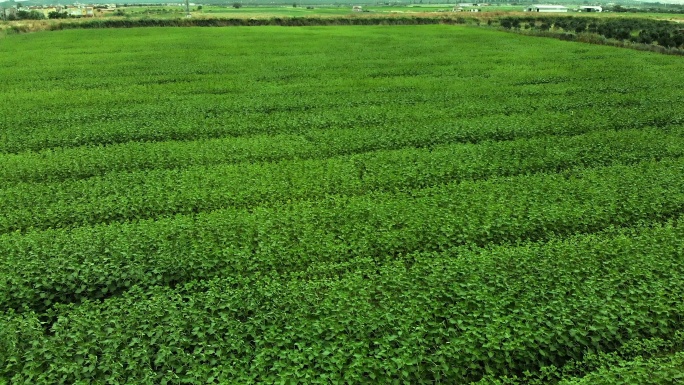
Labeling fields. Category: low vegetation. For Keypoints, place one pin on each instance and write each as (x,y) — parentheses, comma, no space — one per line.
(376,204)
(632,32)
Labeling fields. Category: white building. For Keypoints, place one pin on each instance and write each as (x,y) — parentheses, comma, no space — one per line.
(75,12)
(590,8)
(9,12)
(546,8)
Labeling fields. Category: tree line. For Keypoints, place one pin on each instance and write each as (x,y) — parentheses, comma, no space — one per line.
(645,31)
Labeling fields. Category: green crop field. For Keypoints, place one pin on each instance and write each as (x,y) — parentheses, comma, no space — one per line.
(369,204)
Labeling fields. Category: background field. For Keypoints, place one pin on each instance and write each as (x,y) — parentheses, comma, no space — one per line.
(420,204)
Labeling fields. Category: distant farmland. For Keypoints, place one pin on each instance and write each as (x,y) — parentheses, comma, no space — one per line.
(376,204)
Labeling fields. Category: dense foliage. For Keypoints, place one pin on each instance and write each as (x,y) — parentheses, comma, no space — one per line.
(647,31)
(648,8)
(387,204)
(262,21)
(25,15)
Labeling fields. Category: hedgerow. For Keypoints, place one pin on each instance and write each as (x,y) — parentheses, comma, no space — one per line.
(254,22)
(647,32)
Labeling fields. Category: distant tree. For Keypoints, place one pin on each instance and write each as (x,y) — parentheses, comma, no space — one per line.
(58,15)
(645,37)
(30,15)
(623,34)
(294,5)
(237,5)
(665,39)
(199,7)
(678,39)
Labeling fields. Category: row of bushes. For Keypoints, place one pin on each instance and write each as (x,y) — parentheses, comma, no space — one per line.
(662,8)
(642,31)
(275,21)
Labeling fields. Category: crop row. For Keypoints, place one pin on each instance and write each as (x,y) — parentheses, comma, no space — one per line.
(471,123)
(638,361)
(187,124)
(41,268)
(83,162)
(154,193)
(293,80)
(273,95)
(264,148)
(656,370)
(452,316)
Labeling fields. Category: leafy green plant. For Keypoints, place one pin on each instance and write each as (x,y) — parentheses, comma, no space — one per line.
(434,204)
